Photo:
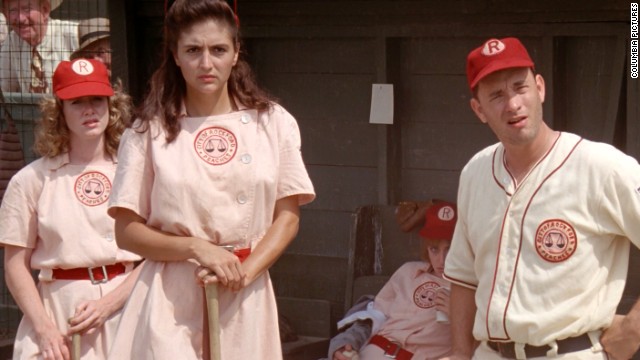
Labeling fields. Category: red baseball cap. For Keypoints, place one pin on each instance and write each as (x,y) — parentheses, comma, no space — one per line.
(81,77)
(495,55)
(440,221)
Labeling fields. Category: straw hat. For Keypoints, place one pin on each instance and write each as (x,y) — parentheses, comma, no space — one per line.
(92,30)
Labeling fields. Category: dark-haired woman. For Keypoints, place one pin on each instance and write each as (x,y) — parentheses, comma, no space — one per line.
(210,162)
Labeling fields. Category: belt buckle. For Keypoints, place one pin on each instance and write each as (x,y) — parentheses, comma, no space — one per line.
(395,352)
(104,274)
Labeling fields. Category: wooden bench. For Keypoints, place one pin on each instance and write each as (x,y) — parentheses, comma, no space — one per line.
(310,321)
(377,249)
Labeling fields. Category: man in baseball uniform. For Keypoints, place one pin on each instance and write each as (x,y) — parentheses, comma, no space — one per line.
(540,253)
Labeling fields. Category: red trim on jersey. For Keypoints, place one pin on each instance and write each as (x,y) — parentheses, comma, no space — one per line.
(515,269)
(493,172)
(459,282)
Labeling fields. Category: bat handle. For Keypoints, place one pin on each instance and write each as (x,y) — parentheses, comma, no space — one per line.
(211,291)
(75,346)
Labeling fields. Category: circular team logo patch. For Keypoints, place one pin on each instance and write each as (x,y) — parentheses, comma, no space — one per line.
(92,188)
(425,295)
(556,240)
(216,145)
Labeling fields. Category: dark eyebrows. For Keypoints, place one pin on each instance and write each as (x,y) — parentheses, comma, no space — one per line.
(495,93)
(520,82)
(199,45)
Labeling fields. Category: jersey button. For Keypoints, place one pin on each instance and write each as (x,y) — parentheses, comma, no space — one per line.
(242,198)
(246,158)
(245,119)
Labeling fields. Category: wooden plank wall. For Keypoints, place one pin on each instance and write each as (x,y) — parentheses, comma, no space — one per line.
(339,148)
(320,57)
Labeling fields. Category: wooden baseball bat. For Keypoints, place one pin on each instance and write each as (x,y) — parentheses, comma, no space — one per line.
(213,314)
(75,346)
(75,343)
(211,293)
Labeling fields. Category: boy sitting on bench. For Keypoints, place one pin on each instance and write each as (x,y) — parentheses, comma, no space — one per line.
(408,317)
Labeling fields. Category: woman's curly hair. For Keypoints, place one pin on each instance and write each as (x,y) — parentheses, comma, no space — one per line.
(52,132)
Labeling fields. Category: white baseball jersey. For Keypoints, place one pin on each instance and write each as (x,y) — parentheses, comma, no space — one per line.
(548,259)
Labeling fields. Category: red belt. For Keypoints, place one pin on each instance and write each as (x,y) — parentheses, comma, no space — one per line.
(392,349)
(242,254)
(97,275)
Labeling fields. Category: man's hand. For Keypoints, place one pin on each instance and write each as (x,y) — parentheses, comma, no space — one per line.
(622,339)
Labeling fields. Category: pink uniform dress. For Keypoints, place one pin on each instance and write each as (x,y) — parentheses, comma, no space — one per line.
(408,302)
(60,211)
(219,180)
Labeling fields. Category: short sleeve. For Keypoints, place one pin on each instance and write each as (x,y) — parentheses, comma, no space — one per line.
(619,204)
(134,175)
(293,176)
(18,215)
(460,262)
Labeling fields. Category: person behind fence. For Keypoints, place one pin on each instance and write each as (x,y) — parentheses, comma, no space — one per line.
(54,221)
(95,41)
(210,162)
(540,253)
(408,317)
(4,30)
(35,46)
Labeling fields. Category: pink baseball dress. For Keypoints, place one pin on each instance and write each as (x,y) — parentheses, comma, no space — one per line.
(60,211)
(408,302)
(219,180)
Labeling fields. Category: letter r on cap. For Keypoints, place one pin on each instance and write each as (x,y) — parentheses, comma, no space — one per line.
(493,47)
(82,67)
(446,213)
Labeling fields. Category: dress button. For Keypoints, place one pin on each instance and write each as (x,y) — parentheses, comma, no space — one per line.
(246,158)
(245,119)
(242,198)
(109,237)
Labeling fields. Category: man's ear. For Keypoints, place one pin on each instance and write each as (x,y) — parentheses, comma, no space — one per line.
(540,86)
(477,108)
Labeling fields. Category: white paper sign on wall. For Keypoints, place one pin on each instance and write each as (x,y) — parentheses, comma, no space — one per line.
(381,104)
